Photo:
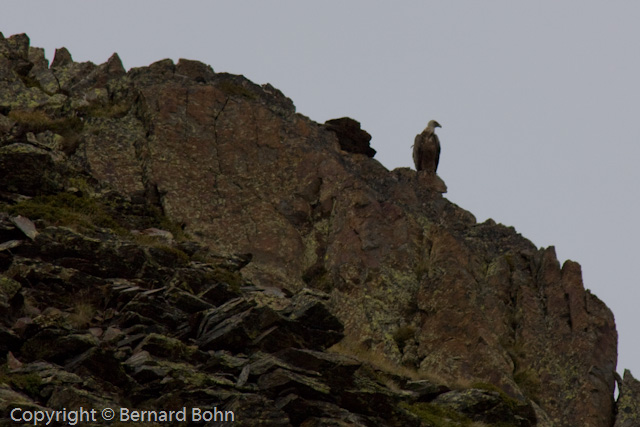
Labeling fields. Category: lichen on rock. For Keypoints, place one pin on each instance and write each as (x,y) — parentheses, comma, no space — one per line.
(303,282)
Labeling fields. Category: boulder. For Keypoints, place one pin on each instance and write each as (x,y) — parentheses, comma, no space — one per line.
(351,138)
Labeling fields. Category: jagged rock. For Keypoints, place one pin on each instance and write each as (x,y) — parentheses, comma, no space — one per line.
(37,58)
(425,390)
(112,69)
(14,93)
(237,331)
(264,363)
(628,403)
(188,302)
(368,397)
(195,70)
(335,246)
(306,412)
(72,76)
(139,359)
(224,361)
(488,406)
(19,45)
(153,311)
(61,58)
(16,50)
(337,368)
(145,369)
(308,306)
(281,379)
(351,137)
(41,73)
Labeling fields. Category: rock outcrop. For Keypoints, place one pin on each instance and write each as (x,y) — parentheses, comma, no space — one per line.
(350,136)
(628,404)
(274,238)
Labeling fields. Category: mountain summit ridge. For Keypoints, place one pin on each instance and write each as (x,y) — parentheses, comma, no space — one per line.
(387,267)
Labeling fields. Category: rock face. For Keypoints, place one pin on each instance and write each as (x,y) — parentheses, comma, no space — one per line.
(628,403)
(288,240)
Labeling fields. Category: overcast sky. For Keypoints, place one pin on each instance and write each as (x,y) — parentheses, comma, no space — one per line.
(539,101)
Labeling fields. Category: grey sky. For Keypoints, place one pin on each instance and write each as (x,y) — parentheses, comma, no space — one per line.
(538,100)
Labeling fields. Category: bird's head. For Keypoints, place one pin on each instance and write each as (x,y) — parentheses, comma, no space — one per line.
(433,124)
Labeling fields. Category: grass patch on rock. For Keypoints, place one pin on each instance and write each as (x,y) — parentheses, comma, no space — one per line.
(108,111)
(66,209)
(350,346)
(37,121)
(82,314)
(29,383)
(437,416)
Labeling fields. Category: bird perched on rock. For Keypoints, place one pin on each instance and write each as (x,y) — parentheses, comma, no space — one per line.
(426,149)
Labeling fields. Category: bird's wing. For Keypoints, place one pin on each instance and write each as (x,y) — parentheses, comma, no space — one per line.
(437,142)
(417,151)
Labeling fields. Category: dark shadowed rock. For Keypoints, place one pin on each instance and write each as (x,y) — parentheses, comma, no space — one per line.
(256,407)
(369,397)
(91,81)
(425,390)
(338,367)
(307,412)
(9,341)
(29,169)
(488,407)
(279,380)
(352,139)
(67,346)
(102,365)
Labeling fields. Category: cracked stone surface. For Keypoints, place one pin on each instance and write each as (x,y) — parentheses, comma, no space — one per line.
(410,276)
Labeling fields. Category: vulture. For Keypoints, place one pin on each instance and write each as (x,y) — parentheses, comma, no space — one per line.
(426,149)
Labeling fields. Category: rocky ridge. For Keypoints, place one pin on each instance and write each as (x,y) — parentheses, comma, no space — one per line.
(185,238)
